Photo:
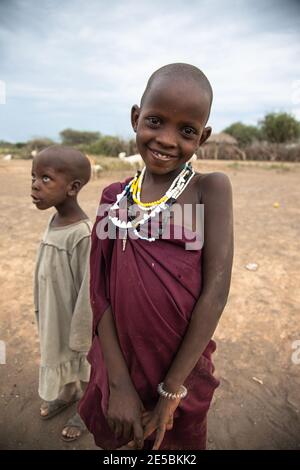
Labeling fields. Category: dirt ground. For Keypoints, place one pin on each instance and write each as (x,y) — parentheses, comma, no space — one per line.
(257,405)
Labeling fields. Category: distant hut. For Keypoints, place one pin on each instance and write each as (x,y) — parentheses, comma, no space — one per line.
(221,146)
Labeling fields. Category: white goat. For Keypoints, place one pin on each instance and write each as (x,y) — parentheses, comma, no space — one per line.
(95,167)
(135,161)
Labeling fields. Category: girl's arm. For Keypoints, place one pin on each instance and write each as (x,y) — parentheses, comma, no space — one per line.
(216,275)
(125,407)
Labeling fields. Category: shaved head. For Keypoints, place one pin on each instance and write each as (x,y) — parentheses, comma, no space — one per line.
(184,75)
(67,160)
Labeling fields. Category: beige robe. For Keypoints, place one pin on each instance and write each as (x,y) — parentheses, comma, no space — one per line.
(62,306)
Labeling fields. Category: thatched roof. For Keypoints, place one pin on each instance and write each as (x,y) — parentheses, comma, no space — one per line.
(221,138)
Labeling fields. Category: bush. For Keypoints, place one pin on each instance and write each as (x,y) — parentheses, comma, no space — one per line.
(273,152)
(280,128)
(38,144)
(110,146)
(242,133)
(106,145)
(72,137)
(20,145)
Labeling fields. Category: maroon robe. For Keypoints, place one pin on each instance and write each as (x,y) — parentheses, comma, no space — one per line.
(152,288)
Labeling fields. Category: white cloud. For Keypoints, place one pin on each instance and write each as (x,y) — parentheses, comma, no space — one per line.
(79,60)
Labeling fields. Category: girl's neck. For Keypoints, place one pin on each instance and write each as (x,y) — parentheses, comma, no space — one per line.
(161,180)
(68,213)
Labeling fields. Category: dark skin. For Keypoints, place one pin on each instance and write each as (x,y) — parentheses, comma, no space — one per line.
(54,186)
(170,126)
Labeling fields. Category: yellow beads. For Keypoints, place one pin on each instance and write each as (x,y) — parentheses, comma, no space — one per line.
(149,204)
(136,190)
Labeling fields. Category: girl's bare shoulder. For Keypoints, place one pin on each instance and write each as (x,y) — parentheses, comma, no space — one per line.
(215,183)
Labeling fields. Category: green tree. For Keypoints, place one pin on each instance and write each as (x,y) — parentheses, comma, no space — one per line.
(243,133)
(280,127)
(4,143)
(108,145)
(131,147)
(39,144)
(72,137)
(20,145)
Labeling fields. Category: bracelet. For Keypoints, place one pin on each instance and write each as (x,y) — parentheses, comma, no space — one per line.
(172,396)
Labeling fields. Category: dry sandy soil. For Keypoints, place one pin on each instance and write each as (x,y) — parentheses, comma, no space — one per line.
(258,403)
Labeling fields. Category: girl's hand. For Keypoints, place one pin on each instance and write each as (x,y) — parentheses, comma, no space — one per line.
(146,417)
(124,414)
(159,420)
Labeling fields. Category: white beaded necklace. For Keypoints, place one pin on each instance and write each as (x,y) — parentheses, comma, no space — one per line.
(179,180)
(177,187)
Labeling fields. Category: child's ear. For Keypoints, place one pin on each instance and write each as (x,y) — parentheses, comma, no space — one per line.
(74,187)
(205,135)
(135,113)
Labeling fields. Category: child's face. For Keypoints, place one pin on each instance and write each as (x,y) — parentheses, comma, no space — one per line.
(49,187)
(170,125)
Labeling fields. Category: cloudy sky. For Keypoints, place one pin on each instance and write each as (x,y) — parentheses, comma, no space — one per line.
(82,64)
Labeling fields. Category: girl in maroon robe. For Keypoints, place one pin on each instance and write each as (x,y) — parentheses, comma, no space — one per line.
(156,304)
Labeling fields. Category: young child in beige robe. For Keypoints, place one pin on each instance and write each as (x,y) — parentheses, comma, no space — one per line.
(61,284)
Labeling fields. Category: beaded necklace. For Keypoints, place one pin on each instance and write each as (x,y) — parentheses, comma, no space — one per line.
(132,193)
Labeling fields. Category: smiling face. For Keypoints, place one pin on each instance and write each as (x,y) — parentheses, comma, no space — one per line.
(50,186)
(170,125)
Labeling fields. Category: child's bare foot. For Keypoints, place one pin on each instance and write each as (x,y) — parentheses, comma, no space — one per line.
(73,428)
(67,397)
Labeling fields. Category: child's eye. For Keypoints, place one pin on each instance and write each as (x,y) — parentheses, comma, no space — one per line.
(189,131)
(46,179)
(33,178)
(153,121)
